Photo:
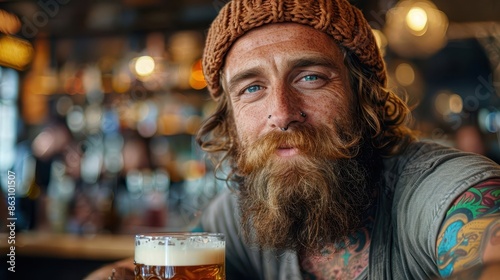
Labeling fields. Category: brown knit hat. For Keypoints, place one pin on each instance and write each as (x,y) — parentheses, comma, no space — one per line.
(344,22)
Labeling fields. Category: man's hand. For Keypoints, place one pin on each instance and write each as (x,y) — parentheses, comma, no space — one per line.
(122,270)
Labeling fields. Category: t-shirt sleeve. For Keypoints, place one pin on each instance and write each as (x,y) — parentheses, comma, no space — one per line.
(424,193)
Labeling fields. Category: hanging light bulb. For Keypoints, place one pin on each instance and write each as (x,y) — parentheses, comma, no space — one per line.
(417,19)
(144,66)
(416,28)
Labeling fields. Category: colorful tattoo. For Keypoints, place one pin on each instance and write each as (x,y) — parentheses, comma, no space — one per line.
(471,229)
(339,262)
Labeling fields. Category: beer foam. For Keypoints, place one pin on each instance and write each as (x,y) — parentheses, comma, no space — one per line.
(152,253)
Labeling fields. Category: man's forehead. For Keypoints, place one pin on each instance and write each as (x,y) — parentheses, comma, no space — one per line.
(282,39)
(281,32)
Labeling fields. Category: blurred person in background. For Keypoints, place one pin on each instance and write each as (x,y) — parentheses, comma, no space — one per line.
(50,147)
(327,179)
(469,138)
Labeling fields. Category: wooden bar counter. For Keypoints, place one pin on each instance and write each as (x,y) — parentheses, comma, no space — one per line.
(43,255)
(58,245)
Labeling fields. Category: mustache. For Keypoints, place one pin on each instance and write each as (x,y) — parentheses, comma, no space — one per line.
(317,142)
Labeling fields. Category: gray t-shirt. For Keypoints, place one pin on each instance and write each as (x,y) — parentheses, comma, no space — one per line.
(418,186)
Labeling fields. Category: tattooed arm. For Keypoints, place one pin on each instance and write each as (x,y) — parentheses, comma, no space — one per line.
(469,238)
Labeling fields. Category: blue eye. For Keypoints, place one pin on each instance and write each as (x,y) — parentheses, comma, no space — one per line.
(310,78)
(252,89)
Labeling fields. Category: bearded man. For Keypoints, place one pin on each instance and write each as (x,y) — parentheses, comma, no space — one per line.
(327,180)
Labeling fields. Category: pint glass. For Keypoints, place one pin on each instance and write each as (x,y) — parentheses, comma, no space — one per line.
(187,256)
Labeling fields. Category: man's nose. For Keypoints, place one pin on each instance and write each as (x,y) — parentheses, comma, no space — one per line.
(285,109)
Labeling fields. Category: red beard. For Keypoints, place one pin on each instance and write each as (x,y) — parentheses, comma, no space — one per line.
(306,201)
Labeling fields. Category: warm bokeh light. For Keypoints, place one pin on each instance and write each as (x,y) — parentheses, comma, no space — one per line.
(442,103)
(170,124)
(456,103)
(416,19)
(197,80)
(9,23)
(144,66)
(405,75)
(34,105)
(121,82)
(15,52)
(447,102)
(416,28)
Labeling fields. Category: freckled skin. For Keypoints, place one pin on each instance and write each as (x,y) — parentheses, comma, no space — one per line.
(284,89)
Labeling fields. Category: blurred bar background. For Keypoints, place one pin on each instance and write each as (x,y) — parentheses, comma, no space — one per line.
(100,102)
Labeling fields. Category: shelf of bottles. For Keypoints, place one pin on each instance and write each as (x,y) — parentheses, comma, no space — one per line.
(104,139)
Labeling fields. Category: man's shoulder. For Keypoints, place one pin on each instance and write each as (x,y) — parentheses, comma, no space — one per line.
(434,175)
(419,186)
(425,154)
(427,150)
(426,170)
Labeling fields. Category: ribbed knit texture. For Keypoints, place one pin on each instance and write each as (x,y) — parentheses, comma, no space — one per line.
(338,18)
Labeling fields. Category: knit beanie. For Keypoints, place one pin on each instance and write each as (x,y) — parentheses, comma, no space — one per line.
(337,18)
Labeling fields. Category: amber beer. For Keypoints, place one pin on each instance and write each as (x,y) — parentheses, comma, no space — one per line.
(187,256)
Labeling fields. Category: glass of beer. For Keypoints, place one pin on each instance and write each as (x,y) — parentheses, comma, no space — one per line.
(185,255)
